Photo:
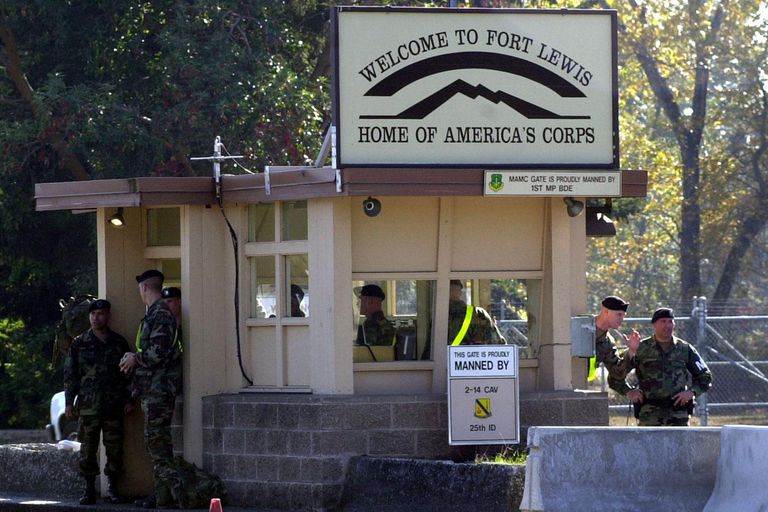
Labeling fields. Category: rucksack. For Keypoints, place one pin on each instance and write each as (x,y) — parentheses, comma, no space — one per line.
(74,321)
(184,485)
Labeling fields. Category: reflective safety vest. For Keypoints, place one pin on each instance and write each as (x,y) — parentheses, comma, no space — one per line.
(592,371)
(464,326)
(177,342)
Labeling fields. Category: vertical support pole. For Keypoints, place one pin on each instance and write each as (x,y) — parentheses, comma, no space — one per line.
(700,314)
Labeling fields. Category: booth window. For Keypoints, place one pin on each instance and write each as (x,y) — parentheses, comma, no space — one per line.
(263,290)
(511,305)
(261,222)
(163,227)
(296,286)
(397,328)
(294,220)
(279,263)
(171,269)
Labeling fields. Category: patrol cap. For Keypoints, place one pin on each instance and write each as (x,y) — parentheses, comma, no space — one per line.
(171,293)
(662,313)
(297,292)
(615,303)
(148,274)
(99,304)
(370,290)
(458,283)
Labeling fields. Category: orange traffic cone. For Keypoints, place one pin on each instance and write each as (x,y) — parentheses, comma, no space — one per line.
(215,505)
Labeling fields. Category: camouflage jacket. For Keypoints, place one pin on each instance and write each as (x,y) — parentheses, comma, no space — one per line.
(482,328)
(92,374)
(662,374)
(158,368)
(605,349)
(376,330)
(607,353)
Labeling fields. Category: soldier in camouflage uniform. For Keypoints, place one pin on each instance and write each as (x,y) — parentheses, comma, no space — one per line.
(157,378)
(611,316)
(95,384)
(482,328)
(376,329)
(663,364)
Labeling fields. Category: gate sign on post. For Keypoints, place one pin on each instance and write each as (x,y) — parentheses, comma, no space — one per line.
(483,403)
(490,88)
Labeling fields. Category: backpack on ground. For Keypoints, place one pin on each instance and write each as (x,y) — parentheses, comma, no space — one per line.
(186,486)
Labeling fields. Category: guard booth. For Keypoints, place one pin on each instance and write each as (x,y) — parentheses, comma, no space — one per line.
(463,146)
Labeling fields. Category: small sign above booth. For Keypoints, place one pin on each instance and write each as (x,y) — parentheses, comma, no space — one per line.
(492,88)
(553,183)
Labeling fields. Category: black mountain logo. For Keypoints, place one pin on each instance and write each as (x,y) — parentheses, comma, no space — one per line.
(432,102)
(472,60)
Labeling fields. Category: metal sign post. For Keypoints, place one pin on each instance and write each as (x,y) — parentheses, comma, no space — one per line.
(483,395)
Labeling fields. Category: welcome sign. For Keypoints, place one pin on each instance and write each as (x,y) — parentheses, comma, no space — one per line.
(476,87)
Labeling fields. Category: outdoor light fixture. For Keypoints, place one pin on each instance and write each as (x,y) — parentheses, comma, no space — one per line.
(117,220)
(371,207)
(573,206)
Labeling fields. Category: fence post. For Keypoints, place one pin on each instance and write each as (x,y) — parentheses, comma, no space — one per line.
(700,314)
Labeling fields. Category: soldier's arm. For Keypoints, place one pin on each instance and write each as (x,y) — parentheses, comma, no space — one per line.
(160,342)
(126,381)
(617,374)
(701,377)
(72,373)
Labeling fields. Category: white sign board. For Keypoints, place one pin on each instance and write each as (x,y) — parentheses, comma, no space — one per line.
(553,183)
(483,395)
(497,88)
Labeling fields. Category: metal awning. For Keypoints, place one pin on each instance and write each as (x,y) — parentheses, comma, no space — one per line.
(278,183)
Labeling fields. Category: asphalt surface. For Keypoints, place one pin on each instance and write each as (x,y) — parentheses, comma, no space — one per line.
(17,502)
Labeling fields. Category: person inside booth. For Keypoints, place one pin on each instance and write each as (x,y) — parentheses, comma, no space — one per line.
(468,324)
(376,329)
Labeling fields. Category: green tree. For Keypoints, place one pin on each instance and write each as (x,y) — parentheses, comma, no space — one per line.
(24,370)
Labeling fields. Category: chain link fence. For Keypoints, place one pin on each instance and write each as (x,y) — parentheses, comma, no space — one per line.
(736,350)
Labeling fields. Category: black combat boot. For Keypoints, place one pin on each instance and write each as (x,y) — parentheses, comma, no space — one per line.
(89,496)
(112,495)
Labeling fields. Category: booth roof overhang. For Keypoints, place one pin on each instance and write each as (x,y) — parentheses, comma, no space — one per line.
(278,184)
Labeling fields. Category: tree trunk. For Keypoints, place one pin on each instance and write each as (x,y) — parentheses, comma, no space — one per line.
(69,161)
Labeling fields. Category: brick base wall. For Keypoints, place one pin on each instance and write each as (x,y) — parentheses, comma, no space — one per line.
(291,451)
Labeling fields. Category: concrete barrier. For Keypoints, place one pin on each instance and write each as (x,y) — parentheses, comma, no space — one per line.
(39,468)
(623,469)
(740,483)
(394,485)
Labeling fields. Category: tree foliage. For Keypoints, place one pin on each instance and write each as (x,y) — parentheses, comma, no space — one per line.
(27,380)
(692,89)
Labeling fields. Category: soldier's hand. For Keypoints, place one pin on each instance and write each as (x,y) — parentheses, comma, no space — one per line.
(127,362)
(635,395)
(683,397)
(633,342)
(129,408)
(69,411)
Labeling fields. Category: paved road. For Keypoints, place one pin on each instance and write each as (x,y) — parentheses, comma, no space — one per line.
(16,503)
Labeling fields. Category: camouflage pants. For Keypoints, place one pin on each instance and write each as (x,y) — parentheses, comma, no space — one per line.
(111,427)
(158,413)
(655,416)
